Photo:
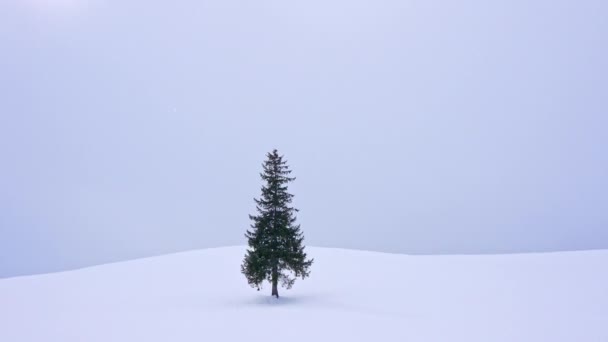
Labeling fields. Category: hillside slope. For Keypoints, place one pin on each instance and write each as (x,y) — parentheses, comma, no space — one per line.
(351,296)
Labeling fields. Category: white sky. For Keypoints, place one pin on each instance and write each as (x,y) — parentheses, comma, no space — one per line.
(131,128)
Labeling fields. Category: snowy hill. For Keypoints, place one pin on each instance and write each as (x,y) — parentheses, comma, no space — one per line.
(351,296)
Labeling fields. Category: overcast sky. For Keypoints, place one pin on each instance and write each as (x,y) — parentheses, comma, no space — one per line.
(132,128)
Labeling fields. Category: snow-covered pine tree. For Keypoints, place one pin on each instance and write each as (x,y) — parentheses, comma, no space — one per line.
(276,252)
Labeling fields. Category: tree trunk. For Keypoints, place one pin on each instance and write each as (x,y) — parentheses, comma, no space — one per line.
(275,282)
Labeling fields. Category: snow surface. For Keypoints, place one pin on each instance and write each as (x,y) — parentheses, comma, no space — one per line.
(351,296)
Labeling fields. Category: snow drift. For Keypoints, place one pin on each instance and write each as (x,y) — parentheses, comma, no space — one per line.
(351,296)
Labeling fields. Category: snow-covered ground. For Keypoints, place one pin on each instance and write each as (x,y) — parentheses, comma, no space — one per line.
(351,296)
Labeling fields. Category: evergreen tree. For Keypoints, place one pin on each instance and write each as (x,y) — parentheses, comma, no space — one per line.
(276,252)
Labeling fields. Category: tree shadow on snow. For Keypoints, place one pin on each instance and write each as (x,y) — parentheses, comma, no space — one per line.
(265,300)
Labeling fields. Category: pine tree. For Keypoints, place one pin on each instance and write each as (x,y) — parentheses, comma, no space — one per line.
(276,252)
